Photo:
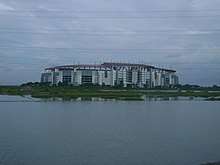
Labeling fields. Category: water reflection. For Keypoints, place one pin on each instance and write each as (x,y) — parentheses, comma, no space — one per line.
(144,98)
(147,98)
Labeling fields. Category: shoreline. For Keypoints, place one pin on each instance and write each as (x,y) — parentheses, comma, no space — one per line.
(47,92)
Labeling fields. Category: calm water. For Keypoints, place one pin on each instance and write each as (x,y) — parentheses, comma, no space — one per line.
(108,132)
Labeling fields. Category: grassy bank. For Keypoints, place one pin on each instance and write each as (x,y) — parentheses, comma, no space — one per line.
(102,92)
(70,92)
(189,93)
(212,99)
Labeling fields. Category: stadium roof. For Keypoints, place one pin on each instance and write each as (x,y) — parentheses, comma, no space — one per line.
(105,65)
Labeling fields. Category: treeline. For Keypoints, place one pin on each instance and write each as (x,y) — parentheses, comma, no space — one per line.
(197,87)
(36,84)
(90,85)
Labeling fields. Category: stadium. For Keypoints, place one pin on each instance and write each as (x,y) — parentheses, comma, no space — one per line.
(111,74)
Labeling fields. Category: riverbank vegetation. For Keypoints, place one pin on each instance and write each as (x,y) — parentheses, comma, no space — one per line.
(45,90)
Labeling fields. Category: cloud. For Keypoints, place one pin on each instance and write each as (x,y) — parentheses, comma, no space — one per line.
(5,7)
(171,40)
(196,32)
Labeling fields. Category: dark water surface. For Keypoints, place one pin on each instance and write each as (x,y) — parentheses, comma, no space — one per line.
(109,132)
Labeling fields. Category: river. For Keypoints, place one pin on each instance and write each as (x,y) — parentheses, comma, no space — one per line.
(108,132)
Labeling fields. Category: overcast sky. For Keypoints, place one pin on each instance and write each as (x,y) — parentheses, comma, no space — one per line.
(183,35)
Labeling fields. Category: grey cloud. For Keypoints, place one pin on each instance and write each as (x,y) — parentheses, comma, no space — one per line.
(184,41)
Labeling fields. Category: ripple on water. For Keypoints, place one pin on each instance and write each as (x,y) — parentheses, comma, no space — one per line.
(6,152)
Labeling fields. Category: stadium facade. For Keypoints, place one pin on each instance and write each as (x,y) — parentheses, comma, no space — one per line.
(111,74)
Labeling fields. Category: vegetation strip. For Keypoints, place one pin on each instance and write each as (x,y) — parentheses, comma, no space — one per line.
(46,91)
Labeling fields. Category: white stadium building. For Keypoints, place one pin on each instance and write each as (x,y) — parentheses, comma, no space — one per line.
(111,74)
